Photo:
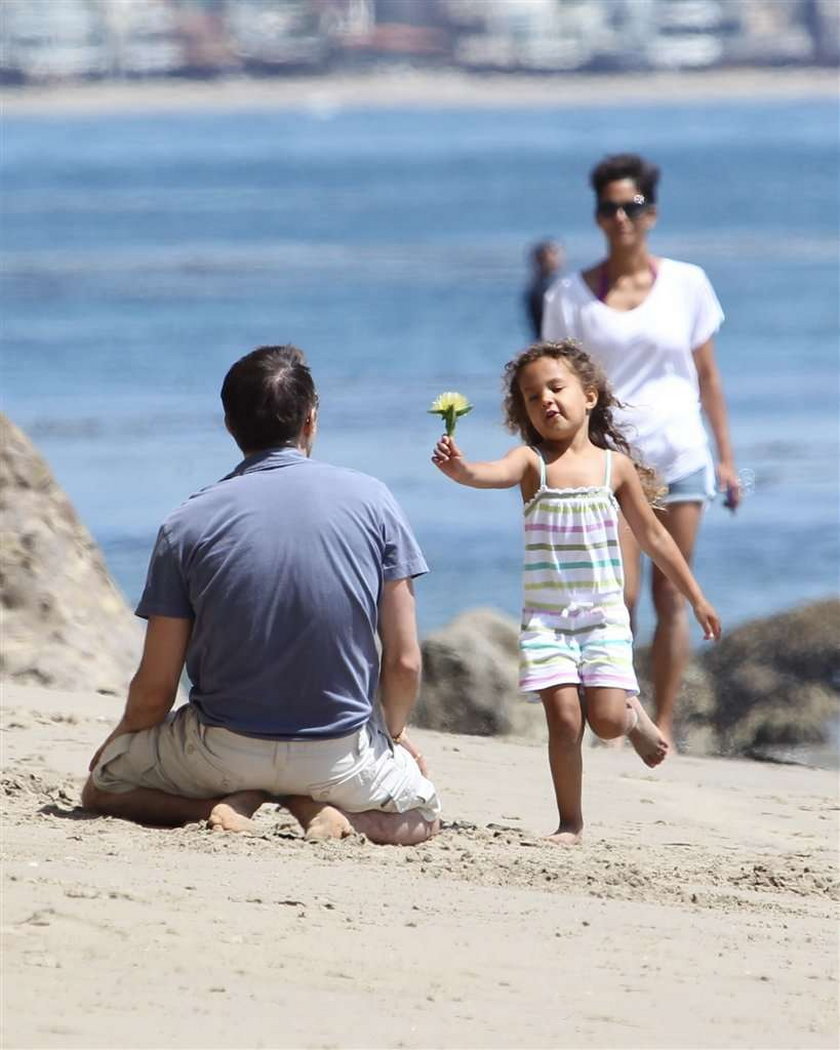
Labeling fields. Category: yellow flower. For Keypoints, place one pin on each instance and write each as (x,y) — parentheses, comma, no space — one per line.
(450,406)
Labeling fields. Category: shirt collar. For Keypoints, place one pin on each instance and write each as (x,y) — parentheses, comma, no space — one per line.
(267,459)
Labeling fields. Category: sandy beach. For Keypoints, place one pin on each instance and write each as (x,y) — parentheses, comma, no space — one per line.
(390,88)
(700,912)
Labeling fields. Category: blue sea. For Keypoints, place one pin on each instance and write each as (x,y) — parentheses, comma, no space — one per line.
(144,253)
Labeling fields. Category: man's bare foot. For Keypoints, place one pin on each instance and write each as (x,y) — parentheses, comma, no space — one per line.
(329,823)
(321,821)
(566,835)
(318,820)
(234,812)
(650,745)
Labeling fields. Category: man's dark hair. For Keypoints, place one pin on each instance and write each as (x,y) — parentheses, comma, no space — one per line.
(267,396)
(626,166)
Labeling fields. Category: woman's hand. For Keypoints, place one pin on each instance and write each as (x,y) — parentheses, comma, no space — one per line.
(729,482)
(708,619)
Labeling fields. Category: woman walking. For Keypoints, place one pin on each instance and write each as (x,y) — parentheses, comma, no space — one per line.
(650,322)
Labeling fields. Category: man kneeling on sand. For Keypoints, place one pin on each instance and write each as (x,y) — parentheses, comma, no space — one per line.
(273,584)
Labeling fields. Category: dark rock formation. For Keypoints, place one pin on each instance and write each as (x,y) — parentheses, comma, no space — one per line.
(777,680)
(64,623)
(470,675)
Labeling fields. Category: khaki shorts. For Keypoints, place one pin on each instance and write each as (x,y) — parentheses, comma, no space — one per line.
(359,772)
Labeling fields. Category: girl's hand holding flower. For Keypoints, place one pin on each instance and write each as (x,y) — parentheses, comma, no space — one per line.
(449,459)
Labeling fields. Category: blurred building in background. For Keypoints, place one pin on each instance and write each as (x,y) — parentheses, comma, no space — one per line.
(72,39)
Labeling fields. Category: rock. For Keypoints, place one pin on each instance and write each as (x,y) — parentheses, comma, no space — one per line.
(65,624)
(777,679)
(470,675)
(770,684)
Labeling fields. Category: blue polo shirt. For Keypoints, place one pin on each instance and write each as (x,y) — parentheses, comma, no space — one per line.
(281,566)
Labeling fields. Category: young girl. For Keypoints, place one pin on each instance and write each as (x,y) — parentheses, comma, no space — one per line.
(574,473)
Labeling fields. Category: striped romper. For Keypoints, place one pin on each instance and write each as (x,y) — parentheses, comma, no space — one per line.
(575,625)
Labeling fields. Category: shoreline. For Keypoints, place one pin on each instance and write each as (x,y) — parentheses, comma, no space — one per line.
(324,95)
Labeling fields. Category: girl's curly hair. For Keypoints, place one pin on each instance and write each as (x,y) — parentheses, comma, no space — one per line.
(603,431)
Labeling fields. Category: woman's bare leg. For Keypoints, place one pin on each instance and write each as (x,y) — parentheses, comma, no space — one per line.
(671,648)
(564,716)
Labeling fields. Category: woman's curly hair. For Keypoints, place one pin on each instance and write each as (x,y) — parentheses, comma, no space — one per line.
(603,431)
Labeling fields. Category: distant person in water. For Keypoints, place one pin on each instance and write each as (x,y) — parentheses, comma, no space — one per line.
(274,584)
(650,323)
(574,471)
(547,260)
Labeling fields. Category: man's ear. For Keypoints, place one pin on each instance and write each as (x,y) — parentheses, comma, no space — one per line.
(309,430)
(227,425)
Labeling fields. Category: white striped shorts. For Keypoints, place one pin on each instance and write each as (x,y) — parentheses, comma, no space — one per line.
(588,644)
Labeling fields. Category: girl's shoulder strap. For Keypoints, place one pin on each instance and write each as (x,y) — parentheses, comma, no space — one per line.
(541,461)
(608,469)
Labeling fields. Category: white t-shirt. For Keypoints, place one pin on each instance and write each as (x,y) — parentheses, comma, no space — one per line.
(647,354)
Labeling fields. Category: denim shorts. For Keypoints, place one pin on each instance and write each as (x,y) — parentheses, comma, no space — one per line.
(693,488)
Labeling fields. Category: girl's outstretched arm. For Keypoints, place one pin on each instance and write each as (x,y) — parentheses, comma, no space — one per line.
(501,473)
(659,545)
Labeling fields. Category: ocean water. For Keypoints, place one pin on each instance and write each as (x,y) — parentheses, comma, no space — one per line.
(144,253)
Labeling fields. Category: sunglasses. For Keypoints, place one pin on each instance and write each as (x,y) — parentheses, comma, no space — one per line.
(632,208)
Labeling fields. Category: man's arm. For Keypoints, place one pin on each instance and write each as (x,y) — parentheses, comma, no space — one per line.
(155,685)
(399,677)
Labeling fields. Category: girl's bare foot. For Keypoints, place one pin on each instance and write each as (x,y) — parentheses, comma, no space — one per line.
(234,812)
(650,745)
(566,835)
